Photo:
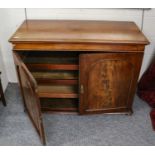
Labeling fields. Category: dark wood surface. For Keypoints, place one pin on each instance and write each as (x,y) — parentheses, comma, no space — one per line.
(59,105)
(110,81)
(18,62)
(32,101)
(52,67)
(98,73)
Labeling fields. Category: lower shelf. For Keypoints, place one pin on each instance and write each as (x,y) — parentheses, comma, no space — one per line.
(56,75)
(59,105)
(56,91)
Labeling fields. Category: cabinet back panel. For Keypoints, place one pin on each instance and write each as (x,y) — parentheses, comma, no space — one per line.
(44,57)
(58,104)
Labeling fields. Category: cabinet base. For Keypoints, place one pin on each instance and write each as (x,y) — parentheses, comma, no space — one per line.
(49,111)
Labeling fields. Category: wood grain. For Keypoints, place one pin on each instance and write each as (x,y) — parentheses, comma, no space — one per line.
(77,31)
(52,67)
(57,91)
(89,67)
(74,47)
(32,101)
(110,81)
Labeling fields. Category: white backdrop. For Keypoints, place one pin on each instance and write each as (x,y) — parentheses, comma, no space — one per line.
(12,18)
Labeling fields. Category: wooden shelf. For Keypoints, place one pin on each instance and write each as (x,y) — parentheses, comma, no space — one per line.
(52,57)
(57,91)
(61,75)
(52,60)
(56,77)
(56,82)
(52,67)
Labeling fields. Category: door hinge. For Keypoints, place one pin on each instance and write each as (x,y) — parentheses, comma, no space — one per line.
(81,89)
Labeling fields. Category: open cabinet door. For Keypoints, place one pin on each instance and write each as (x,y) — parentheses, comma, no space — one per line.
(32,102)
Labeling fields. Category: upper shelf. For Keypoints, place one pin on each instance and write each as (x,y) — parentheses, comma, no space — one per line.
(79,31)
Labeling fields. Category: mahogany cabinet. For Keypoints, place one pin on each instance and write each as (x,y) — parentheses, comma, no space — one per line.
(84,67)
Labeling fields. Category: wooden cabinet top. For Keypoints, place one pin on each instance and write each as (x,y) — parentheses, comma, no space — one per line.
(79,31)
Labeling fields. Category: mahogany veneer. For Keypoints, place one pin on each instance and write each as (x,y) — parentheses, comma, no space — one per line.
(86,67)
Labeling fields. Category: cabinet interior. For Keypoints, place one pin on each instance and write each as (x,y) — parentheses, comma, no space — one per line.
(57,75)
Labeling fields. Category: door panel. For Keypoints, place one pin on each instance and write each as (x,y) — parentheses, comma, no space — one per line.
(108,82)
(32,102)
(18,62)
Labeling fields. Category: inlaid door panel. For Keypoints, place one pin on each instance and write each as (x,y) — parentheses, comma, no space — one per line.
(107,81)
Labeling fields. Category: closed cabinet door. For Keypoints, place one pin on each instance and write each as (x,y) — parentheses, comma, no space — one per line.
(108,82)
(30,97)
